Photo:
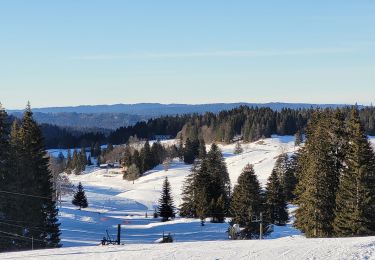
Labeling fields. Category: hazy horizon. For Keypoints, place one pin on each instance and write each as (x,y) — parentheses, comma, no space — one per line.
(69,53)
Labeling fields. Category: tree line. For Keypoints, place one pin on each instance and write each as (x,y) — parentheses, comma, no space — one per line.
(252,123)
(336,177)
(28,213)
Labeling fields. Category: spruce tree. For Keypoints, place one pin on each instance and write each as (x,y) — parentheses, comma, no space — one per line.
(298,138)
(247,203)
(189,156)
(219,183)
(202,149)
(127,161)
(316,190)
(289,181)
(276,206)
(79,198)
(238,148)
(166,208)
(188,208)
(147,158)
(31,175)
(4,146)
(355,214)
(4,176)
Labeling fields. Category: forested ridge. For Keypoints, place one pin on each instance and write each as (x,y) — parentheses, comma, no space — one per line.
(250,123)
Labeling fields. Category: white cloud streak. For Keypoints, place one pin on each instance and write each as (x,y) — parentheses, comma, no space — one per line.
(215,54)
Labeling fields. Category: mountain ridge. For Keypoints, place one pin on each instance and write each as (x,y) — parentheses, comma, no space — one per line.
(158,109)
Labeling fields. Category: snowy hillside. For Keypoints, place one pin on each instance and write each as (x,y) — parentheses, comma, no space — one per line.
(284,248)
(113,201)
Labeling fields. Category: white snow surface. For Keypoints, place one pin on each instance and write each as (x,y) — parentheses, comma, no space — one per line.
(283,248)
(113,201)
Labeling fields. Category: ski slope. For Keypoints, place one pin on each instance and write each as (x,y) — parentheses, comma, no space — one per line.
(114,201)
(283,248)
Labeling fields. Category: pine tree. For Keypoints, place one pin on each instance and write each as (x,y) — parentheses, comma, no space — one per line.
(202,149)
(69,162)
(189,153)
(83,159)
(289,181)
(219,183)
(316,190)
(298,138)
(4,176)
(146,158)
(275,201)
(166,208)
(188,208)
(247,202)
(181,148)
(89,161)
(137,160)
(31,175)
(286,175)
(4,145)
(79,198)
(127,161)
(238,148)
(355,214)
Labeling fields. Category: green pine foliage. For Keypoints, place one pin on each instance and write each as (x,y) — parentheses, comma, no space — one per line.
(298,138)
(320,164)
(207,190)
(355,214)
(79,198)
(191,151)
(4,177)
(188,208)
(29,174)
(238,148)
(219,184)
(247,203)
(276,206)
(318,184)
(166,208)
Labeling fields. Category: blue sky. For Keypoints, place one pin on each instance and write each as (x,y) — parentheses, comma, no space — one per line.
(71,52)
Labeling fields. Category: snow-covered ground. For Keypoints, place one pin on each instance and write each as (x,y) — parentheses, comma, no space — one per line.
(283,248)
(113,201)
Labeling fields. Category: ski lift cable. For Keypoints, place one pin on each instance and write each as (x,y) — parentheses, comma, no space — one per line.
(17,235)
(24,194)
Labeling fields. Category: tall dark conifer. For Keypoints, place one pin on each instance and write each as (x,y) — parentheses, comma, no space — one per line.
(247,203)
(355,215)
(219,185)
(276,206)
(31,175)
(4,177)
(146,158)
(317,181)
(166,208)
(80,199)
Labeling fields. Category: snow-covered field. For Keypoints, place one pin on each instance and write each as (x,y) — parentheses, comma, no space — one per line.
(283,248)
(113,201)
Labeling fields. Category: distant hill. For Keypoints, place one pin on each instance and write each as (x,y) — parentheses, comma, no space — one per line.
(111,117)
(156,109)
(101,122)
